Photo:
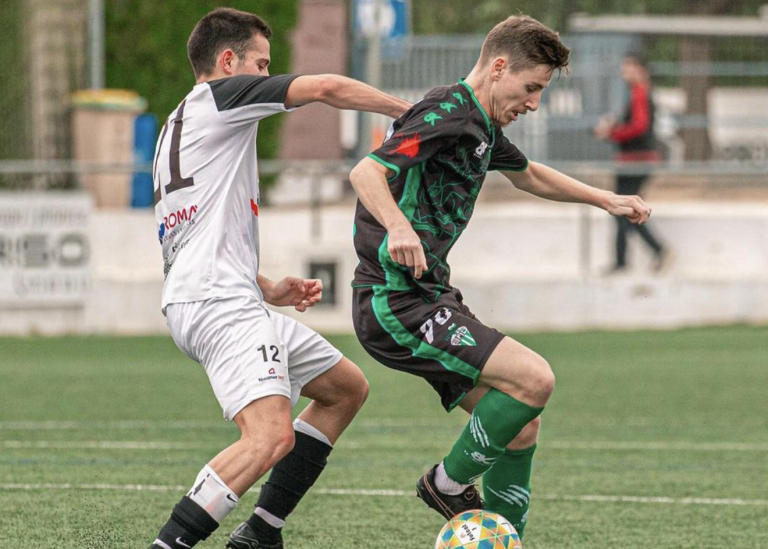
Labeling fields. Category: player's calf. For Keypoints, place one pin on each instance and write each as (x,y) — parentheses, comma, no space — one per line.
(516,384)
(198,514)
(496,420)
(507,485)
(290,479)
(337,395)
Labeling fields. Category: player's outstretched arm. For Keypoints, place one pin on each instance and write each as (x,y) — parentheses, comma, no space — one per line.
(343,93)
(369,178)
(546,182)
(291,291)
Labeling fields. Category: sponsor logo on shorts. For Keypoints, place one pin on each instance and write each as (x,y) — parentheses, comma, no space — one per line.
(272,376)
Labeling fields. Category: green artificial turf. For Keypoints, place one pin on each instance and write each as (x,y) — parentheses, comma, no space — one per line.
(668,430)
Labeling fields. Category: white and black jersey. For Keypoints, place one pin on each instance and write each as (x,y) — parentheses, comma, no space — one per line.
(207,187)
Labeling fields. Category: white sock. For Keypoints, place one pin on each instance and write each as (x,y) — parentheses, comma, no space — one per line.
(309,430)
(269,518)
(447,485)
(210,493)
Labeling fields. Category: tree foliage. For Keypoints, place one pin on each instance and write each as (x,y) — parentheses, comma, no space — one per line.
(12,103)
(146,49)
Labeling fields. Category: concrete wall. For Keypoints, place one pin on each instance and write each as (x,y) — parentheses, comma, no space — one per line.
(521,267)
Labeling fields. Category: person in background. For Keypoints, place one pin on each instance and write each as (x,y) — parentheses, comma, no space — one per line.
(636,144)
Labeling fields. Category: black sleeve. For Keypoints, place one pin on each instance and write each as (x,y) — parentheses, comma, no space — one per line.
(245,99)
(505,156)
(243,90)
(431,124)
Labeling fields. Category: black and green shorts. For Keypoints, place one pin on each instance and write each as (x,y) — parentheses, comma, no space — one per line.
(441,341)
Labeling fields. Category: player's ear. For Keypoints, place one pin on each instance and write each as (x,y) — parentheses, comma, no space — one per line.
(228,61)
(497,68)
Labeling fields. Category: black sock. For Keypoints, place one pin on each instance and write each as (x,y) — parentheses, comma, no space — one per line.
(289,480)
(188,525)
(265,532)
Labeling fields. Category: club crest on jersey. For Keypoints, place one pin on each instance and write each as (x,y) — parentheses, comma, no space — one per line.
(255,207)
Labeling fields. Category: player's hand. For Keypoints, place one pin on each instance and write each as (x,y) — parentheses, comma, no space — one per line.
(631,206)
(404,246)
(292,291)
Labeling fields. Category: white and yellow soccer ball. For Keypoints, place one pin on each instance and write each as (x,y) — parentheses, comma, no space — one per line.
(478,529)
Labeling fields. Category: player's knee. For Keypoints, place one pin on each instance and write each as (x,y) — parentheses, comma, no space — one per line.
(545,381)
(349,392)
(541,382)
(359,390)
(284,444)
(272,445)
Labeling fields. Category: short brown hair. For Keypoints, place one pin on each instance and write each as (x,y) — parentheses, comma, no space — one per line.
(222,28)
(526,43)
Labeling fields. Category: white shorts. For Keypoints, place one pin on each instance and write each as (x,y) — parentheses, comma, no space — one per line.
(248,351)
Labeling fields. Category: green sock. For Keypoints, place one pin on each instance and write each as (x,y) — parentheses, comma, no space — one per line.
(497,419)
(507,486)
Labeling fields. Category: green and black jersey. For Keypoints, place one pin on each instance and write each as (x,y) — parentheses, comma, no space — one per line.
(440,151)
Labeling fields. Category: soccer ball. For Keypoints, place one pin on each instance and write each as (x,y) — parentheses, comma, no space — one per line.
(478,529)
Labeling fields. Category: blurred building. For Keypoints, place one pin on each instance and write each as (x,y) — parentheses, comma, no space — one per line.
(43,56)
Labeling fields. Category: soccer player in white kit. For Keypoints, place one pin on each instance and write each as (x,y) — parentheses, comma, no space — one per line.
(258,361)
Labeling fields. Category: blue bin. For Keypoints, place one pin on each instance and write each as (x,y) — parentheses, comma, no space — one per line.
(144,138)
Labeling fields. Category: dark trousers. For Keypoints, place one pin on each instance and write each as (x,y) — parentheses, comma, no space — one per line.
(631,184)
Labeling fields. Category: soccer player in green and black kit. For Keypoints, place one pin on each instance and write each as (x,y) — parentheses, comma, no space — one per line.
(416,195)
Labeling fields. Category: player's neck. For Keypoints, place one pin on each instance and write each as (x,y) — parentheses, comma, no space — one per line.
(217,74)
(480,88)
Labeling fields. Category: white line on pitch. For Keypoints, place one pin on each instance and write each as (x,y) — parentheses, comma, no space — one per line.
(99,445)
(665,500)
(697,446)
(396,493)
(353,444)
(55,425)
(120,424)
(582,445)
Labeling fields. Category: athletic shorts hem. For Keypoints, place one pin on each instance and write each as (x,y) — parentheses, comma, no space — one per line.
(237,406)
